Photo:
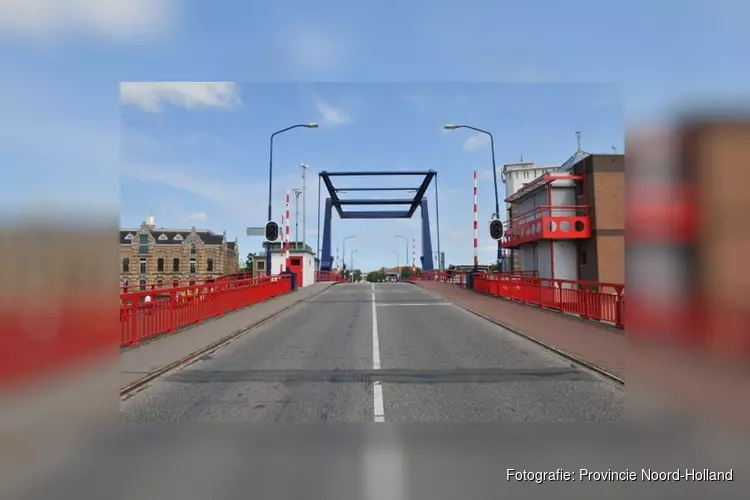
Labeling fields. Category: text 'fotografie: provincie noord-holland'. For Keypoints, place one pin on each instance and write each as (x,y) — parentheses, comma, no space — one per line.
(561,475)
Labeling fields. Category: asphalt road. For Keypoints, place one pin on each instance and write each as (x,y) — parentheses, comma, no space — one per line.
(388,352)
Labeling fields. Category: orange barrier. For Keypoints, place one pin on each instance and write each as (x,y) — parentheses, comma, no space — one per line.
(590,300)
(173,308)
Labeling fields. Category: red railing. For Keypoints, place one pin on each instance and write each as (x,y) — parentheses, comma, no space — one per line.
(173,308)
(325,276)
(169,284)
(548,222)
(590,300)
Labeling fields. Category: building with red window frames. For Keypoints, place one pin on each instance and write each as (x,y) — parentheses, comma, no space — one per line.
(569,223)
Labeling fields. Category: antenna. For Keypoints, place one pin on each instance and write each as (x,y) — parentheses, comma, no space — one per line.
(521,157)
(578,136)
(614,149)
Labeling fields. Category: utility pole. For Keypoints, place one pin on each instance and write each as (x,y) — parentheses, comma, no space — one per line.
(297,192)
(304,208)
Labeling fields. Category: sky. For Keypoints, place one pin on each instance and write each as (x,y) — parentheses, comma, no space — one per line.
(380,78)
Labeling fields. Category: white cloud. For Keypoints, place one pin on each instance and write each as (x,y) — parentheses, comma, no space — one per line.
(151,96)
(46,19)
(233,197)
(476,141)
(313,49)
(418,100)
(330,114)
(196,216)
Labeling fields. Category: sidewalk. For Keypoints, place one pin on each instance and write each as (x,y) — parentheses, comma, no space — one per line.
(139,362)
(597,345)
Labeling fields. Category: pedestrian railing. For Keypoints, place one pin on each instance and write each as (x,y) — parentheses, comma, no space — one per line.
(590,300)
(154,312)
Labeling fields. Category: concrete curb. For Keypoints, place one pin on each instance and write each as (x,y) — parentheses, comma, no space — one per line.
(566,355)
(134,387)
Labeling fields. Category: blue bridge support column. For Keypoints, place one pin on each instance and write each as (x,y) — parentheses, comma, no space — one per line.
(326,260)
(427,263)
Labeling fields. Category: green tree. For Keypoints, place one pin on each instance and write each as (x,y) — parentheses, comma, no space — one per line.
(248,263)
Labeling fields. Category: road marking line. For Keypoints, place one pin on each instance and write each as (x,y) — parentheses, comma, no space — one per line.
(377,388)
(386,304)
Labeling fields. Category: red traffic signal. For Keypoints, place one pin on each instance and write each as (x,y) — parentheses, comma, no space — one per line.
(496,229)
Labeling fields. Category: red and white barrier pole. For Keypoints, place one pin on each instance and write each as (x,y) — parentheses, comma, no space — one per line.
(286,230)
(413,253)
(281,246)
(476,223)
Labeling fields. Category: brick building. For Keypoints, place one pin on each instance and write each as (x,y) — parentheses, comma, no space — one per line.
(569,223)
(162,257)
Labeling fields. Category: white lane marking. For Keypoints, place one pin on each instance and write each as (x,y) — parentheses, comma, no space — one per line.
(377,388)
(386,304)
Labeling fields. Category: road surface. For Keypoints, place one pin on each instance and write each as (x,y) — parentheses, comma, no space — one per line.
(389,352)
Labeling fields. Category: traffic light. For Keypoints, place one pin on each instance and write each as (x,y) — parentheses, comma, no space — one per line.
(496,229)
(272,231)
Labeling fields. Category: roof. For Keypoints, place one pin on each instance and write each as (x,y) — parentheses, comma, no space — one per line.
(175,236)
(570,162)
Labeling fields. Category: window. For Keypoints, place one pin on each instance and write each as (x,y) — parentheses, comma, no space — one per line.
(210,265)
(142,284)
(160,265)
(160,283)
(128,237)
(193,250)
(192,266)
(143,244)
(176,265)
(178,237)
(260,265)
(126,265)
(175,283)
(163,237)
(142,265)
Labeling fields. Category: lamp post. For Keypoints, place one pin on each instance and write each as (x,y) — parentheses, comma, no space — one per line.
(406,242)
(343,244)
(451,126)
(351,264)
(304,208)
(297,192)
(270,182)
(398,263)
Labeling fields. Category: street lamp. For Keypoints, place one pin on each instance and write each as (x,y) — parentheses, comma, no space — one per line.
(343,247)
(304,207)
(270,182)
(406,240)
(296,192)
(451,126)
(398,263)
(351,264)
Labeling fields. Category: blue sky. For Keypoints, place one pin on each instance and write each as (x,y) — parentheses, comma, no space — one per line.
(68,140)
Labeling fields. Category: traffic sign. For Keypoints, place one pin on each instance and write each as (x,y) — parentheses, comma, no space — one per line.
(272,231)
(496,229)
(256,231)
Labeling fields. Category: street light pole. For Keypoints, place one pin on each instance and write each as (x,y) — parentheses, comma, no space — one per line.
(494,177)
(398,263)
(351,264)
(344,249)
(297,192)
(270,182)
(304,208)
(406,241)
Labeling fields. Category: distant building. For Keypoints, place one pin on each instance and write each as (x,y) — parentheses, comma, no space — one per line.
(302,257)
(515,176)
(569,223)
(162,257)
